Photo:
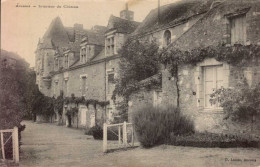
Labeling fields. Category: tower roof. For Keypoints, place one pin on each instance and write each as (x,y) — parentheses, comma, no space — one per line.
(56,33)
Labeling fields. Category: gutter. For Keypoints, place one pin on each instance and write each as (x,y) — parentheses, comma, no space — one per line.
(87,64)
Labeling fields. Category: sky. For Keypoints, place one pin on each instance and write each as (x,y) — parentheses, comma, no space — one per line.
(21,27)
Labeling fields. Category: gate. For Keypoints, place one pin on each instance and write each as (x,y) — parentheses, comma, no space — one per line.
(125,139)
(15,143)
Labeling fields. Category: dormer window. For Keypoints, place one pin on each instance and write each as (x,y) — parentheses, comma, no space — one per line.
(66,61)
(56,63)
(166,38)
(83,55)
(110,46)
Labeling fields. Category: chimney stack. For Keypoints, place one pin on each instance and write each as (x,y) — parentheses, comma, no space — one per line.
(127,14)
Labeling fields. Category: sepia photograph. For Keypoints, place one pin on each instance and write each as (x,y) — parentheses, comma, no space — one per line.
(130,83)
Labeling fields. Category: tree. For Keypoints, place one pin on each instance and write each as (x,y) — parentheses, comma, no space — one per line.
(12,71)
(139,60)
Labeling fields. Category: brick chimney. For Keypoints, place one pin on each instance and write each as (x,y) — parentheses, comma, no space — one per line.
(78,28)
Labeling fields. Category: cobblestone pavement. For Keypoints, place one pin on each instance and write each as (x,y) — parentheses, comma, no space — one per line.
(48,145)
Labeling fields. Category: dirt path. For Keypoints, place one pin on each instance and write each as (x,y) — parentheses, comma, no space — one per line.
(47,145)
(51,145)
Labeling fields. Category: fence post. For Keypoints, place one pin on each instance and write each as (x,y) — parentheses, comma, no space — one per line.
(124,134)
(119,135)
(3,146)
(104,137)
(16,144)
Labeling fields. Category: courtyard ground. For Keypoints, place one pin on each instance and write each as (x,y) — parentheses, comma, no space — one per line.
(48,145)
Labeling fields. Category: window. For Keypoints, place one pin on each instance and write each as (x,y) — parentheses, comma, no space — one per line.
(66,61)
(110,43)
(83,85)
(213,80)
(238,29)
(166,38)
(83,55)
(56,64)
(110,83)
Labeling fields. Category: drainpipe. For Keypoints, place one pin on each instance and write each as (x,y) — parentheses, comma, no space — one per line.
(104,115)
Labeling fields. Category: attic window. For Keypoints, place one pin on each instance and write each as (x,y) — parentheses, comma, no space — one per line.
(166,38)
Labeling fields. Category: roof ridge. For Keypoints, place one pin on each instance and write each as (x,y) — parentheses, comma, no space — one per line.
(124,19)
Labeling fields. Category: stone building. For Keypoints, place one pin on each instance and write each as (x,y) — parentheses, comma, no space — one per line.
(189,25)
(85,62)
(82,62)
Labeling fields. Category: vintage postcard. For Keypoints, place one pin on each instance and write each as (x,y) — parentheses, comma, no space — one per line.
(130,83)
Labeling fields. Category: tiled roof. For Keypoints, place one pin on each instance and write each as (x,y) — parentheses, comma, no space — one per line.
(95,38)
(45,43)
(122,25)
(99,29)
(70,32)
(99,56)
(172,14)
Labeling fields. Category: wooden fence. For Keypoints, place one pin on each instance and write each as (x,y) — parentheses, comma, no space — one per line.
(15,143)
(123,142)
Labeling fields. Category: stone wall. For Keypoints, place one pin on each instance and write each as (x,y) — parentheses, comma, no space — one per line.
(205,120)
(138,100)
(95,81)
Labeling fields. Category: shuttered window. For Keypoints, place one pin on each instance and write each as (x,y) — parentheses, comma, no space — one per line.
(238,29)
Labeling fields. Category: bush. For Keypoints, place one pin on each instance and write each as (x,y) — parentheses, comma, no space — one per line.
(154,125)
(88,131)
(240,103)
(97,132)
(214,140)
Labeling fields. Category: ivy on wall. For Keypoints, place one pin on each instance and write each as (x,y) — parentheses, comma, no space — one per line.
(82,100)
(237,55)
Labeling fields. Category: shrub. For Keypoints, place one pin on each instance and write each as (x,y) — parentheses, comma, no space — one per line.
(239,103)
(88,131)
(214,140)
(97,132)
(154,125)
